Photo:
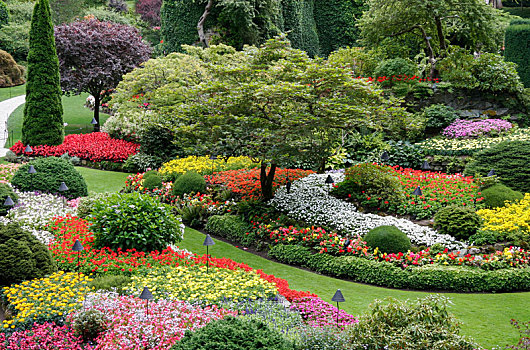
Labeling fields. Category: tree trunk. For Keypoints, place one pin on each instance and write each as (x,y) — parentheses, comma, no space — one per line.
(440,32)
(97,102)
(266,180)
(200,25)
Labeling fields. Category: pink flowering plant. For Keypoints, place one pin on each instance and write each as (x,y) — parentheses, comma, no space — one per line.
(467,129)
(318,313)
(46,336)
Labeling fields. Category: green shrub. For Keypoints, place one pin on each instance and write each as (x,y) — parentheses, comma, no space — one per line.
(233,333)
(193,213)
(4,14)
(395,66)
(50,173)
(231,227)
(141,162)
(152,182)
(190,182)
(23,256)
(6,191)
(361,60)
(486,237)
(110,283)
(105,15)
(459,222)
(496,195)
(85,205)
(509,159)
(423,324)
(14,38)
(88,324)
(389,239)
(134,221)
(517,50)
(20,11)
(439,116)
(404,154)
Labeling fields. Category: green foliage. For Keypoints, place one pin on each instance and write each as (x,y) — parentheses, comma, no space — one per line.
(4,14)
(20,11)
(429,277)
(233,333)
(193,213)
(14,38)
(43,111)
(50,173)
(86,203)
(111,283)
(389,239)
(299,23)
(134,221)
(65,11)
(439,116)
(6,191)
(404,154)
(23,256)
(179,20)
(88,324)
(517,49)
(483,237)
(152,182)
(335,21)
(11,73)
(157,141)
(509,159)
(190,182)
(140,162)
(106,15)
(495,196)
(423,324)
(395,66)
(459,222)
(362,61)
(231,227)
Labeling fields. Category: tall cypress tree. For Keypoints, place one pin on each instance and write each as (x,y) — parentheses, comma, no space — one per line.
(43,112)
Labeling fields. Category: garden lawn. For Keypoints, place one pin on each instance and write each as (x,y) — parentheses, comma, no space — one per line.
(103,181)
(486,317)
(75,114)
(7,93)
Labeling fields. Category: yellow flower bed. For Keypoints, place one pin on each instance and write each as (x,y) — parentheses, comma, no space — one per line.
(45,298)
(204,165)
(195,285)
(510,218)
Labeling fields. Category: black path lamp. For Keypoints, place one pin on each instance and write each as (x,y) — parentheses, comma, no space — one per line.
(330,181)
(288,185)
(28,149)
(208,241)
(425,165)
(417,192)
(146,295)
(63,188)
(31,171)
(213,159)
(385,157)
(9,202)
(338,298)
(94,122)
(491,173)
(346,244)
(78,247)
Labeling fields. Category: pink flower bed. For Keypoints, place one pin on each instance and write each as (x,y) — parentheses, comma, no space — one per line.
(96,147)
(318,313)
(45,336)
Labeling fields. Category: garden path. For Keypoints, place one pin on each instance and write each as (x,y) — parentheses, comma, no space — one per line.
(6,108)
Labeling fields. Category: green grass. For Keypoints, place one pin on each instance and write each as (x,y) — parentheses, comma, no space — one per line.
(485,317)
(103,181)
(75,114)
(7,93)
(523,12)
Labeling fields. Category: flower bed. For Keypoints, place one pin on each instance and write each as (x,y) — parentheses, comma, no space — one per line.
(205,165)
(7,171)
(318,313)
(95,147)
(46,336)
(465,129)
(513,217)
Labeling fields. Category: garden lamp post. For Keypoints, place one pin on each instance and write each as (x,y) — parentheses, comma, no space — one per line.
(31,171)
(208,241)
(491,173)
(146,295)
(385,157)
(78,247)
(425,165)
(346,244)
(213,158)
(63,188)
(330,181)
(288,185)
(338,298)
(28,149)
(417,192)
(9,202)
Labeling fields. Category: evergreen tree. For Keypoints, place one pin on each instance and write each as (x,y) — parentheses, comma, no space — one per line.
(43,112)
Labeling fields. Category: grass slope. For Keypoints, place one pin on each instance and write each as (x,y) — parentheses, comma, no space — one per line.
(485,317)
(7,93)
(103,181)
(75,114)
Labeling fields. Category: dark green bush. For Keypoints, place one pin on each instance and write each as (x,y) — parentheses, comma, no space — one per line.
(110,283)
(4,14)
(509,159)
(23,256)
(233,333)
(404,154)
(496,195)
(299,23)
(517,50)
(459,222)
(395,66)
(152,182)
(439,116)
(382,273)
(6,191)
(50,173)
(423,324)
(88,324)
(389,239)
(231,227)
(190,182)
(134,221)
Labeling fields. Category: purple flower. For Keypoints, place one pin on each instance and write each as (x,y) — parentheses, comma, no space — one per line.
(464,129)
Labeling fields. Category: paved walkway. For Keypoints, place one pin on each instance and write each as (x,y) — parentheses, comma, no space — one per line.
(6,108)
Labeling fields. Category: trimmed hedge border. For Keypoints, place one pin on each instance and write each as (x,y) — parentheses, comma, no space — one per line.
(430,277)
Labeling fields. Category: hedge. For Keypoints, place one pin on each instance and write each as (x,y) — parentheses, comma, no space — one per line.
(299,23)
(517,48)
(429,277)
(231,227)
(179,20)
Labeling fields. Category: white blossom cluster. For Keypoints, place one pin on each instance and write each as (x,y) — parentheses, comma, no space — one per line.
(309,200)
(44,236)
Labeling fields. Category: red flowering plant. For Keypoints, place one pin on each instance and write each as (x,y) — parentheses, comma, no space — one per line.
(133,183)
(95,147)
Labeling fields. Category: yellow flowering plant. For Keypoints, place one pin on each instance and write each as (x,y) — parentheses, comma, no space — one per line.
(195,284)
(205,165)
(513,217)
(44,299)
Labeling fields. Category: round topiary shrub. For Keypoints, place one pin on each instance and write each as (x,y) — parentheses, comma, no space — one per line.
(190,182)
(134,221)
(152,182)
(6,191)
(509,159)
(23,257)
(439,116)
(50,173)
(11,73)
(496,195)
(459,222)
(233,333)
(389,239)
(88,324)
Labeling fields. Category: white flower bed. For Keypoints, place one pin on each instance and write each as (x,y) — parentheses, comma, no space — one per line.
(309,200)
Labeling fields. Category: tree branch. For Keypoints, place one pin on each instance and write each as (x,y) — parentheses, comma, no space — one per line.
(200,25)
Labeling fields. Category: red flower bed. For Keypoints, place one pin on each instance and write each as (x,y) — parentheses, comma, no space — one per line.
(245,182)
(96,147)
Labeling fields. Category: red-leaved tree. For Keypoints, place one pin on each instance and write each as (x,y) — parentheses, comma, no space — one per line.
(149,11)
(94,55)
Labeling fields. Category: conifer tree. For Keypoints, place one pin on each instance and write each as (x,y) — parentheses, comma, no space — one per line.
(43,112)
